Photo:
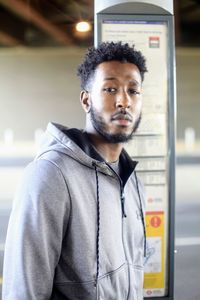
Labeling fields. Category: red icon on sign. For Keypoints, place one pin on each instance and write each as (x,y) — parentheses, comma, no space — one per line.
(154,42)
(155,221)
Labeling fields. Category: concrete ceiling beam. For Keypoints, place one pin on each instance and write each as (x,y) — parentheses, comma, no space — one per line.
(31,15)
(8,40)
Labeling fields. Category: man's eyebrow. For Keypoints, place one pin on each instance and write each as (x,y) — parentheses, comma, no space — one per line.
(134,82)
(109,78)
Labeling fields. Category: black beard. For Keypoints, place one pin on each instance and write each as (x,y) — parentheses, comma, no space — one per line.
(100,127)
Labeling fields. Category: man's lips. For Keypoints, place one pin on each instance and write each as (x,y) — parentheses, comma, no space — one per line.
(122,122)
(122,117)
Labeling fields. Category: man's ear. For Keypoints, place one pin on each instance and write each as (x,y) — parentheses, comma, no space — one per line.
(85,100)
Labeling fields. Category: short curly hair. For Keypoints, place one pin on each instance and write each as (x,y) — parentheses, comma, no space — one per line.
(109,51)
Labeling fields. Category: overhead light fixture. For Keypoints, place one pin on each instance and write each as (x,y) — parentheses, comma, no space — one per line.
(83,26)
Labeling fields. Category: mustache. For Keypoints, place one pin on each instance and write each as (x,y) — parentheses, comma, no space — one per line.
(122,115)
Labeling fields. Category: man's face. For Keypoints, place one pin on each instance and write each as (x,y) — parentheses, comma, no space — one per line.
(115,101)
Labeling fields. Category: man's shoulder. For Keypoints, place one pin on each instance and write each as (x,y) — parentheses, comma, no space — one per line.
(42,169)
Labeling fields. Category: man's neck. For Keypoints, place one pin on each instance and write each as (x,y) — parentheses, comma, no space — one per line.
(109,151)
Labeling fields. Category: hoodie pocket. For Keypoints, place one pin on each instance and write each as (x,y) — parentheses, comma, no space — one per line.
(74,291)
(114,285)
(111,286)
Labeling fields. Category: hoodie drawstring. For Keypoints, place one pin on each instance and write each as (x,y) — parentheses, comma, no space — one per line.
(142,215)
(98,224)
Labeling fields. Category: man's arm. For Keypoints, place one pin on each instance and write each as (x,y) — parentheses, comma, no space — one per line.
(35,233)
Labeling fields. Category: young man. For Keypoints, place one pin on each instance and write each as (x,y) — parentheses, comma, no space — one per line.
(77,226)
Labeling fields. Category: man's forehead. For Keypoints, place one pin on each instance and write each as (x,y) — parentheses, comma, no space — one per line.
(112,70)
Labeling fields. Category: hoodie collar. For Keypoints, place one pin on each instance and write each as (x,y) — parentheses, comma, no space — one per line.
(80,137)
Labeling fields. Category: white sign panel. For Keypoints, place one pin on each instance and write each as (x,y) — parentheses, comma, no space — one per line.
(150,144)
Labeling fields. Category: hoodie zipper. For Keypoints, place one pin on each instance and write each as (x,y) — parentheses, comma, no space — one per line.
(124,215)
(122,198)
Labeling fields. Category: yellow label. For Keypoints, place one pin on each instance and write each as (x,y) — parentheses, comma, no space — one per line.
(154,262)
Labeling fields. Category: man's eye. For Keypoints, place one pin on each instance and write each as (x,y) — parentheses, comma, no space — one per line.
(110,90)
(134,92)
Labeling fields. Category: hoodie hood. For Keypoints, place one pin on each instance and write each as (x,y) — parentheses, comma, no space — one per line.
(70,141)
(76,144)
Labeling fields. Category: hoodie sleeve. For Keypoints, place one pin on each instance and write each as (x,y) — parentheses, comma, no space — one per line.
(36,228)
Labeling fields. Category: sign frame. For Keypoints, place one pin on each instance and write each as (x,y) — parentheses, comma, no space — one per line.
(171,124)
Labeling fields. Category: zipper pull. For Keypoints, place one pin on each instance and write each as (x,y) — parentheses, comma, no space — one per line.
(123,204)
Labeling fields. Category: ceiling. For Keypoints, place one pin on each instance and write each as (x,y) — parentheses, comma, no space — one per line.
(37,23)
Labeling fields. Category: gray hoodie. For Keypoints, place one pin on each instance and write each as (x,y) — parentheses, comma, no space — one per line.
(76,229)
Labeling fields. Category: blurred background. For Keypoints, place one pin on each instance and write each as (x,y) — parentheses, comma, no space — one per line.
(41,45)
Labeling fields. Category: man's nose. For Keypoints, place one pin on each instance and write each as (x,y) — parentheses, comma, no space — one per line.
(123,100)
